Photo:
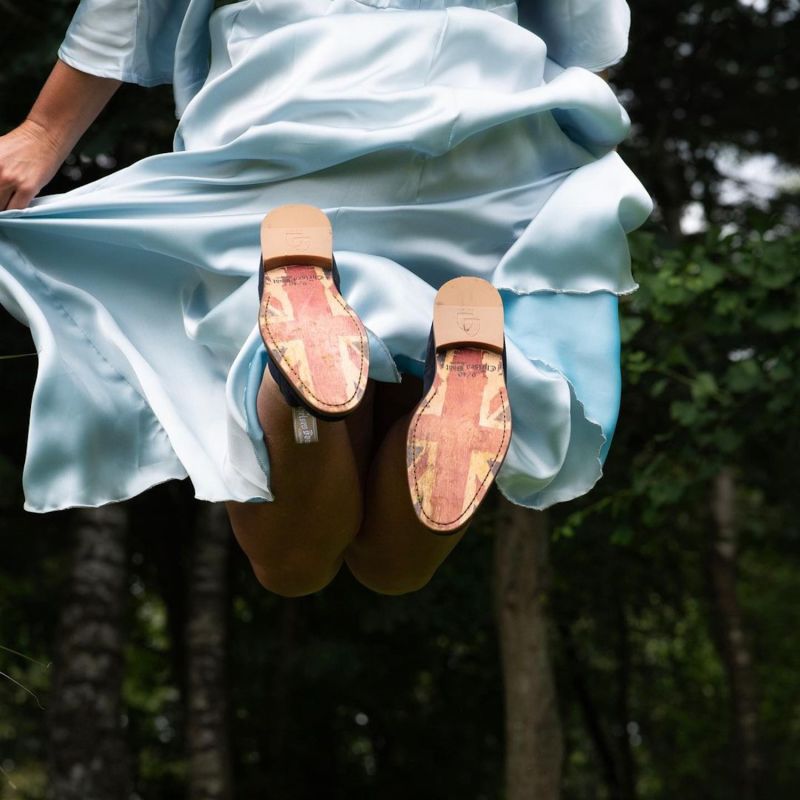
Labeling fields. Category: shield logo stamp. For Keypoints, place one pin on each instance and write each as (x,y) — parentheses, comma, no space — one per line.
(298,239)
(467,320)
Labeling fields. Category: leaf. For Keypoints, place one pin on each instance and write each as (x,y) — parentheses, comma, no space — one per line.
(704,386)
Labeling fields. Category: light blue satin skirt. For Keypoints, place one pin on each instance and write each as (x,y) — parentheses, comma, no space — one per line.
(441,141)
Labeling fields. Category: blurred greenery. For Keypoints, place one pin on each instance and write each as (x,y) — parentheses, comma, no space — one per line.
(349,694)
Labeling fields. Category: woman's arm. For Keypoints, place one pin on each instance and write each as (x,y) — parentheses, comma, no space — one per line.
(31,154)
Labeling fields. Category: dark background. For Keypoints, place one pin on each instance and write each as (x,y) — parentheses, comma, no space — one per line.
(671,593)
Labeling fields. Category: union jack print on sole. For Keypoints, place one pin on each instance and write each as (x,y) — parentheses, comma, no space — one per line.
(460,431)
(313,337)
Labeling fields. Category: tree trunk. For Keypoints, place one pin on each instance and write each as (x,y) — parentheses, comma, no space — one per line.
(210,774)
(732,639)
(534,743)
(88,757)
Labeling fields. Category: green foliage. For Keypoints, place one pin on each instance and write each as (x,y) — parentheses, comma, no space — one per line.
(712,379)
(716,326)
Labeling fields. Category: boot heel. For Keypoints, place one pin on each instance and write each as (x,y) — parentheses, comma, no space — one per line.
(461,317)
(296,234)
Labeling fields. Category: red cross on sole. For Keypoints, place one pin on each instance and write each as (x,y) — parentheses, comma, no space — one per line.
(311,334)
(459,434)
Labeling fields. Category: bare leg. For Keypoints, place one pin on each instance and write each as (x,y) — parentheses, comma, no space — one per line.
(393,552)
(295,544)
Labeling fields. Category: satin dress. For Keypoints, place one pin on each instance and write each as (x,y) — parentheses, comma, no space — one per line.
(441,138)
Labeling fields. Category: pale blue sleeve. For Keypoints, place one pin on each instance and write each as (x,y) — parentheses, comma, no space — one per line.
(131,40)
(580,33)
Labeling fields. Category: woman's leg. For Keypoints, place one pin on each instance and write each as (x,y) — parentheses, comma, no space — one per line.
(295,544)
(393,552)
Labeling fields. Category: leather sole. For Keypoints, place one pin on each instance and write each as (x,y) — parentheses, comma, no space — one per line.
(459,433)
(312,335)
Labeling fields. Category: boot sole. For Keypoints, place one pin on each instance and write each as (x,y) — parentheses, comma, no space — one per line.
(459,434)
(312,335)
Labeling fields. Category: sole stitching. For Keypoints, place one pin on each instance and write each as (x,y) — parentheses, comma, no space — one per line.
(305,388)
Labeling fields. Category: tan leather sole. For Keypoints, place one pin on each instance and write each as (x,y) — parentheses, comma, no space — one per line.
(312,335)
(459,434)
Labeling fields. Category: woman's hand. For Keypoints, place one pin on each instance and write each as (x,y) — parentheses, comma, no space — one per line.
(29,158)
(31,154)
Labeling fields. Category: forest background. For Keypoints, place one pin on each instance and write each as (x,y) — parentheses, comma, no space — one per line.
(638,643)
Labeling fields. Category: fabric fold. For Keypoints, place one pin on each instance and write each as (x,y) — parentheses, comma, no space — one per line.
(444,140)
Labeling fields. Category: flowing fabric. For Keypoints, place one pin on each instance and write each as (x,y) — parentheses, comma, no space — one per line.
(441,138)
